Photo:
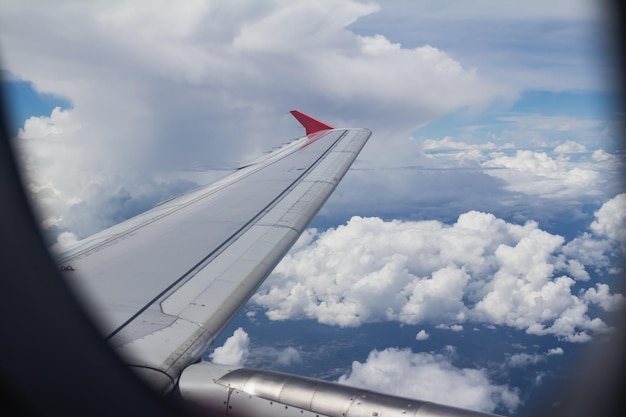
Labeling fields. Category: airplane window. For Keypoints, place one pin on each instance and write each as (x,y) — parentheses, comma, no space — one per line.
(446,204)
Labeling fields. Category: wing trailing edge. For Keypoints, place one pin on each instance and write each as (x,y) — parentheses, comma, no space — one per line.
(311,125)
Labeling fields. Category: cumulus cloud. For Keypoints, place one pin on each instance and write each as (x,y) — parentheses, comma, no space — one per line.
(480,269)
(238,350)
(288,355)
(555,351)
(453,327)
(234,351)
(537,173)
(276,357)
(570,147)
(64,241)
(601,155)
(563,66)
(422,335)
(525,360)
(430,377)
(607,240)
(81,192)
(521,360)
(611,219)
(450,151)
(602,297)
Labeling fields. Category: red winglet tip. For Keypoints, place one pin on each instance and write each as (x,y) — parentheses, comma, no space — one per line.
(310,124)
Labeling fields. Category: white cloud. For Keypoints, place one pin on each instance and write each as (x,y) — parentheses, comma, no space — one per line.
(167,91)
(480,269)
(607,241)
(274,356)
(64,241)
(570,147)
(59,123)
(521,360)
(576,270)
(453,327)
(601,155)
(430,377)
(561,123)
(422,335)
(601,296)
(442,178)
(77,183)
(234,351)
(611,219)
(449,143)
(171,85)
(555,351)
(589,251)
(536,173)
(451,150)
(554,47)
(288,355)
(237,350)
(493,9)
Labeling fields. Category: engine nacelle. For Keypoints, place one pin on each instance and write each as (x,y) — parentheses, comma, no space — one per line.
(221,390)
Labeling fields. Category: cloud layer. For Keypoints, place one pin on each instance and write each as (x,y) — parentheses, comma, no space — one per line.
(480,269)
(520,360)
(174,91)
(445,177)
(204,85)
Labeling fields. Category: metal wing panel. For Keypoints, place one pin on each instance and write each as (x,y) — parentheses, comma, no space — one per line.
(164,284)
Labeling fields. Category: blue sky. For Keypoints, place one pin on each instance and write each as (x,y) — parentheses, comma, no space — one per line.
(585,105)
(497,153)
(25,101)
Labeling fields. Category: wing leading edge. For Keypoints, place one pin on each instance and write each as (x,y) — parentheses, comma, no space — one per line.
(164,284)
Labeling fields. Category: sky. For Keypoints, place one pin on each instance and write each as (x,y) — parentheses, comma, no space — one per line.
(490,195)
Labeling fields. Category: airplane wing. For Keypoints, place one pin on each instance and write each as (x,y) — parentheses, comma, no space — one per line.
(163,285)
